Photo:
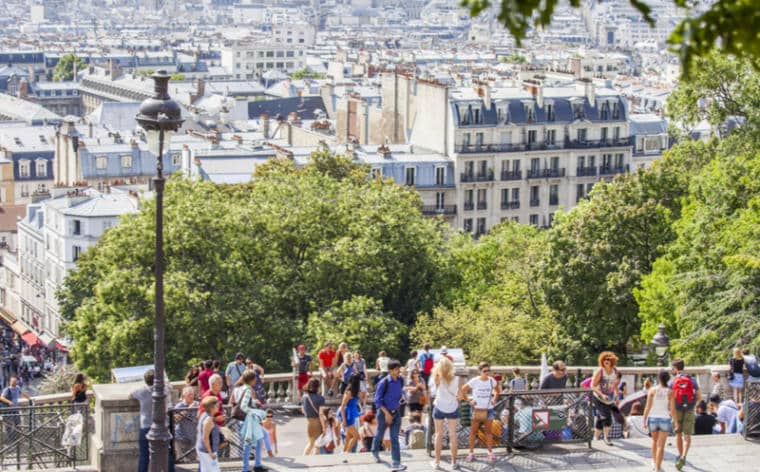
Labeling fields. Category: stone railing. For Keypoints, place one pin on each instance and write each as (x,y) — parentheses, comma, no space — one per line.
(116,417)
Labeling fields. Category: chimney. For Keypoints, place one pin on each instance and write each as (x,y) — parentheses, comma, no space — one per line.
(486,96)
(385,151)
(590,92)
(89,130)
(23,89)
(265,125)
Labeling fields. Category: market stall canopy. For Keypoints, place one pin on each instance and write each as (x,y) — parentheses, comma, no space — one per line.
(31,339)
(19,327)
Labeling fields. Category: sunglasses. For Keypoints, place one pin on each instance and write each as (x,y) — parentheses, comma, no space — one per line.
(269,416)
(485,371)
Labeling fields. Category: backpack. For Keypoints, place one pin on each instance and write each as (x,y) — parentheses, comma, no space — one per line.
(427,363)
(417,439)
(753,368)
(683,391)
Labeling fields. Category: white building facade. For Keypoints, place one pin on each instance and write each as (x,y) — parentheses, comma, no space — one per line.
(250,60)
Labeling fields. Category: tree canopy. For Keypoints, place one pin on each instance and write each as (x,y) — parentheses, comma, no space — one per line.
(64,69)
(726,26)
(251,267)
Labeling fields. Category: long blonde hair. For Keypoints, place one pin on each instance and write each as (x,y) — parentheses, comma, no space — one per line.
(443,371)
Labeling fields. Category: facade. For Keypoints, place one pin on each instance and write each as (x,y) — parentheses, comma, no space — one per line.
(31,261)
(26,163)
(294,33)
(250,60)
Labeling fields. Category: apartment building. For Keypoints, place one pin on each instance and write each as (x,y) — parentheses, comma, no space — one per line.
(26,158)
(250,60)
(300,33)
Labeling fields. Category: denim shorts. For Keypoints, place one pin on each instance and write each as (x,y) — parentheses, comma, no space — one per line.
(439,415)
(660,424)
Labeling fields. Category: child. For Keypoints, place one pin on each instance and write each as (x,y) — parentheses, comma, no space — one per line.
(270,429)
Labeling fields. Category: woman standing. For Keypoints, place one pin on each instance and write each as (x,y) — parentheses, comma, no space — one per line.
(345,370)
(483,388)
(311,403)
(444,387)
(736,375)
(658,417)
(79,389)
(191,378)
(208,438)
(417,392)
(251,432)
(360,366)
(349,412)
(381,364)
(605,385)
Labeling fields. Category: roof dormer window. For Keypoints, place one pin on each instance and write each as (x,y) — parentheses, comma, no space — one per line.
(604,112)
(578,112)
(530,113)
(615,111)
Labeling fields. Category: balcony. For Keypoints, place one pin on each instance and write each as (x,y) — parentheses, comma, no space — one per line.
(586,171)
(612,170)
(433,210)
(534,202)
(511,175)
(479,177)
(482,205)
(513,205)
(504,147)
(545,173)
(469,206)
(585,144)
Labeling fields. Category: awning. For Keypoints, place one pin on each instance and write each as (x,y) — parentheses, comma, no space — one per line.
(60,347)
(31,339)
(7,316)
(19,327)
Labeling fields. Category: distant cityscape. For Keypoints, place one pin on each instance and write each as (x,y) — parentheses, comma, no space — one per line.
(419,91)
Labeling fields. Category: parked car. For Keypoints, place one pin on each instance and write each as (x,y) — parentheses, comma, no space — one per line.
(34,367)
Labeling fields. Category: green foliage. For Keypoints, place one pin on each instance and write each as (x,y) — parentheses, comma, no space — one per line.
(514,58)
(306,73)
(64,69)
(360,322)
(495,308)
(246,265)
(177,76)
(721,87)
(725,27)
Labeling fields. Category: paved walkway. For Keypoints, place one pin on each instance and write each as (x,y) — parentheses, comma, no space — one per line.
(729,453)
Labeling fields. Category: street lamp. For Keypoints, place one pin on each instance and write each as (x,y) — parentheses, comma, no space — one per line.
(661,343)
(158,116)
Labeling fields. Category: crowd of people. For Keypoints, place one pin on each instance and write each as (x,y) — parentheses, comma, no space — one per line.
(18,359)
(347,420)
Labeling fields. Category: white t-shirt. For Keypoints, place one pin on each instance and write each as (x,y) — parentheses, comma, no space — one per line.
(445,395)
(481,392)
(727,412)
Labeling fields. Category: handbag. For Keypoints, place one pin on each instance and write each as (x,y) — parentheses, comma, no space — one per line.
(237,411)
(480,414)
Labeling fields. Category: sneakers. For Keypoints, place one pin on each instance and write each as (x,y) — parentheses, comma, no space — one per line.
(435,465)
(398,468)
(471,457)
(376,457)
(608,441)
(455,466)
(680,462)
(260,468)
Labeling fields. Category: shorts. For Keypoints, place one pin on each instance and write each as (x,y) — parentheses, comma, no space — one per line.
(440,415)
(303,379)
(415,407)
(491,414)
(684,422)
(737,381)
(313,427)
(363,386)
(664,425)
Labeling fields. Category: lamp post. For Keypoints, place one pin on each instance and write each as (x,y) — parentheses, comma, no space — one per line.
(661,343)
(158,116)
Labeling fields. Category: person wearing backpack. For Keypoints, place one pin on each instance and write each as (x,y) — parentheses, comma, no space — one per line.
(426,361)
(686,394)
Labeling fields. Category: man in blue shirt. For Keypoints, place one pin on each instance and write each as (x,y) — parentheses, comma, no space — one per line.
(9,401)
(389,397)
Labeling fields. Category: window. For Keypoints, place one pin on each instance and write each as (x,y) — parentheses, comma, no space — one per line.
(466,139)
(483,168)
(126,161)
(41,168)
(501,115)
(591,161)
(176,159)
(468,196)
(619,161)
(535,165)
(77,227)
(440,176)
(469,168)
(551,136)
(23,168)
(550,112)
(76,252)
(589,187)
(554,163)
(516,195)
(504,197)
(270,53)
(376,173)
(410,171)
(290,54)
(534,219)
(482,205)
(479,139)
(606,161)
(468,225)
(530,113)
(616,133)
(107,224)
(534,201)
(604,113)
(101,162)
(516,166)
(280,54)
(439,200)
(280,65)
(481,226)
(604,134)
(582,135)
(581,162)
(579,192)
(615,111)
(532,136)
(554,195)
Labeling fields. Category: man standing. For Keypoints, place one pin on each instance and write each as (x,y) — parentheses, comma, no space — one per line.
(389,397)
(425,362)
(303,362)
(234,370)
(557,378)
(9,399)
(686,393)
(144,395)
(205,375)
(185,427)
(326,358)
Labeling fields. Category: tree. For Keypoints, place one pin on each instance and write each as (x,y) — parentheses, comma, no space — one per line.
(495,307)
(177,76)
(64,69)
(306,73)
(247,264)
(726,26)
